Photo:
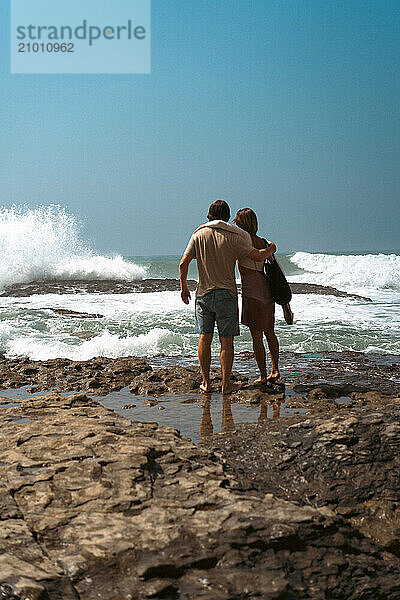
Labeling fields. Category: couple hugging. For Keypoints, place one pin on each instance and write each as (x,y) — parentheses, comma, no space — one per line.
(216,246)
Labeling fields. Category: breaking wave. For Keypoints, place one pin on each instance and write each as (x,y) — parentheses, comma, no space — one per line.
(46,243)
(112,346)
(352,272)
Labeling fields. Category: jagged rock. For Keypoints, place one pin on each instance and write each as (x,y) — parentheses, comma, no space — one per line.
(371,397)
(98,375)
(362,374)
(98,507)
(349,372)
(324,392)
(176,380)
(297,402)
(255,394)
(349,463)
(83,335)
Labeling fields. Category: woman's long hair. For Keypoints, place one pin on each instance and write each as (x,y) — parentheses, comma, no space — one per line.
(247,219)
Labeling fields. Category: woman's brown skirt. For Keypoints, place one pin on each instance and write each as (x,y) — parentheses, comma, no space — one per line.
(258,308)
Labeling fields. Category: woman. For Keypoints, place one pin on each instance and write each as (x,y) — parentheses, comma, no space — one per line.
(258,308)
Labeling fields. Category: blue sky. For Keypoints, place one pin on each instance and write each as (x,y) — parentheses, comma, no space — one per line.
(289,107)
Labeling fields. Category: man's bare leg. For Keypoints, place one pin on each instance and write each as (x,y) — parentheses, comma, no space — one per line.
(259,353)
(227,418)
(206,425)
(204,353)
(226,359)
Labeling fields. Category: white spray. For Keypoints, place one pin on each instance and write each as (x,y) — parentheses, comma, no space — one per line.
(45,243)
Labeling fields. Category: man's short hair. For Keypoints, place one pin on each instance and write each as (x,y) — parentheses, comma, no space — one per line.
(219,210)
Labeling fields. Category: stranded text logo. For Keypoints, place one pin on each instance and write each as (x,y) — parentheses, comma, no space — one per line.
(80,36)
(84,31)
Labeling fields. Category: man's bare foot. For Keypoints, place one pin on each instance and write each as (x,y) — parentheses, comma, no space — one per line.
(231,388)
(260,380)
(205,388)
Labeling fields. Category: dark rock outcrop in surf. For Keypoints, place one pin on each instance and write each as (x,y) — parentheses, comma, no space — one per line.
(323,290)
(74,314)
(78,286)
(96,286)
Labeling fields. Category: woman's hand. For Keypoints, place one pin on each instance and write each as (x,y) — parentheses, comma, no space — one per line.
(271,248)
(261,255)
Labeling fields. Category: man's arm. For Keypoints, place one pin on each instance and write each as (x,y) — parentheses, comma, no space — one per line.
(261,255)
(183,271)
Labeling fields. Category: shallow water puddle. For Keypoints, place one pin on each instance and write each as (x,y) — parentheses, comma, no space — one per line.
(196,416)
(9,404)
(21,420)
(29,470)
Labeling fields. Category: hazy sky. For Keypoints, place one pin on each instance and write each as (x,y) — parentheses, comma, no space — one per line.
(289,107)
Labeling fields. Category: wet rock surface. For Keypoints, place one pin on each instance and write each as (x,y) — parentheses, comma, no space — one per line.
(93,506)
(323,290)
(336,373)
(74,314)
(78,286)
(96,286)
(177,380)
(99,376)
(348,372)
(348,462)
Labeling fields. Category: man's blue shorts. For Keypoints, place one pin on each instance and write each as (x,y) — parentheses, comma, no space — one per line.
(217,306)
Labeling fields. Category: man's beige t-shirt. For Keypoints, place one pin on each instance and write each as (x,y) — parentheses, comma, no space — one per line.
(216,246)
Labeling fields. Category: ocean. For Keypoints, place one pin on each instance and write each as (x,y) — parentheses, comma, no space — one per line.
(46,244)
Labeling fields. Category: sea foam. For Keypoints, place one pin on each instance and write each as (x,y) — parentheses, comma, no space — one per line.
(349,272)
(46,243)
(111,346)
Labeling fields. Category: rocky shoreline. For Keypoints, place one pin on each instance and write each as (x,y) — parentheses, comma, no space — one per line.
(339,374)
(96,506)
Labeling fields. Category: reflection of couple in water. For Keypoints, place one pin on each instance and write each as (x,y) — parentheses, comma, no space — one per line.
(217,246)
(227,422)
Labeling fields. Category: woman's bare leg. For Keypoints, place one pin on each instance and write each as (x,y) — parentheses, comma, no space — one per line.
(273,346)
(259,353)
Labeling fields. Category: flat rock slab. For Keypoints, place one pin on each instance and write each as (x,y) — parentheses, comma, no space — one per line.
(94,506)
(349,463)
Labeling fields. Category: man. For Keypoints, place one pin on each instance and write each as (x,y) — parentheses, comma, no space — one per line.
(216,246)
